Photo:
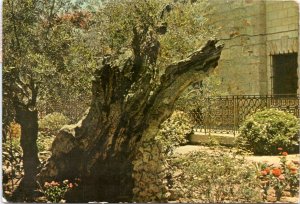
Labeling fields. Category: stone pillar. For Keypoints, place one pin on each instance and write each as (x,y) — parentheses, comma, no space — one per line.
(263,66)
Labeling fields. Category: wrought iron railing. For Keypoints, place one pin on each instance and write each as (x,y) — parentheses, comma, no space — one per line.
(222,114)
(225,114)
(73,109)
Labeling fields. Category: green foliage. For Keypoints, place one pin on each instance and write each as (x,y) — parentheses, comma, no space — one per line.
(34,44)
(49,127)
(53,122)
(12,152)
(213,142)
(12,164)
(8,115)
(55,191)
(266,130)
(44,52)
(160,175)
(174,131)
(218,177)
(188,28)
(195,95)
(195,101)
(185,23)
(44,142)
(51,48)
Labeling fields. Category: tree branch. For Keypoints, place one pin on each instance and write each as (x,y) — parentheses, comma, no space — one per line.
(14,26)
(50,18)
(176,79)
(200,60)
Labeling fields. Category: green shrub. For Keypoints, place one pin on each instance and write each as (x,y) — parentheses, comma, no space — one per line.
(52,123)
(44,142)
(266,130)
(174,131)
(12,163)
(219,177)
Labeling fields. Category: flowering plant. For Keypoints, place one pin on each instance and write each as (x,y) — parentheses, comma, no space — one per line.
(280,178)
(55,191)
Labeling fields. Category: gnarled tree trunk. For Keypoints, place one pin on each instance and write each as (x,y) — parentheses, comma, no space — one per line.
(28,120)
(130,101)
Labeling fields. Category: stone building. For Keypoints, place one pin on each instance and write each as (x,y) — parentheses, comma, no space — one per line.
(261,46)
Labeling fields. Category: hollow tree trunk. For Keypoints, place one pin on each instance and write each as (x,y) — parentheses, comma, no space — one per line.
(28,120)
(130,101)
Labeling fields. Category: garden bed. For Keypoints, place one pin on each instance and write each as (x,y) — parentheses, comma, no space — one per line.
(258,161)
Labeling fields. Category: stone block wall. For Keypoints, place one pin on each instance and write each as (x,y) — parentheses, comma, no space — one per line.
(282,31)
(252,31)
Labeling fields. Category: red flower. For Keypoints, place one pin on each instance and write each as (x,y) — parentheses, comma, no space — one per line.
(294,168)
(267,170)
(264,173)
(291,167)
(284,153)
(293,171)
(279,149)
(276,172)
(281,177)
(53,183)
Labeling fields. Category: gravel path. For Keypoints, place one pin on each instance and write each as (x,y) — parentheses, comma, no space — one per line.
(269,159)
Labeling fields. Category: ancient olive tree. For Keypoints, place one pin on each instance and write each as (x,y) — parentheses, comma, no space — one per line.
(152,50)
(37,43)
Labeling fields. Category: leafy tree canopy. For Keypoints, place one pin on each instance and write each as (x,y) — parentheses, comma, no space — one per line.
(181,25)
(44,55)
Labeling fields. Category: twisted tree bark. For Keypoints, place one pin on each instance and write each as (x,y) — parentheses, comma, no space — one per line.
(28,119)
(130,101)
